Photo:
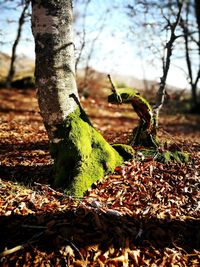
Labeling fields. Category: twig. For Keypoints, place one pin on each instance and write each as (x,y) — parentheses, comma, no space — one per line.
(114,90)
(34,226)
(20,247)
(112,84)
(49,188)
(170,136)
(12,250)
(73,246)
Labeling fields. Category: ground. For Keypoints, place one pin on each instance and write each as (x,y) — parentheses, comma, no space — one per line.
(144,214)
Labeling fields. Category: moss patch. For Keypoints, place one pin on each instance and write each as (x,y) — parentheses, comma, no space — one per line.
(166,155)
(142,137)
(82,155)
(126,151)
(145,133)
(132,96)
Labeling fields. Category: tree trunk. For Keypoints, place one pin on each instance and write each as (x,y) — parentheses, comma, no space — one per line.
(11,72)
(193,81)
(81,155)
(197,13)
(144,134)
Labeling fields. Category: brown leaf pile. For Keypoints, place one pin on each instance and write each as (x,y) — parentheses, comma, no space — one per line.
(145,214)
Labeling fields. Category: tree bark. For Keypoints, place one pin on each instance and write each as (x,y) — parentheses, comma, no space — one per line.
(81,155)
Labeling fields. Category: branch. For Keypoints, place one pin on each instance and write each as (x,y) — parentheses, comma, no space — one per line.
(84,35)
(169,47)
(12,250)
(112,84)
(20,247)
(114,90)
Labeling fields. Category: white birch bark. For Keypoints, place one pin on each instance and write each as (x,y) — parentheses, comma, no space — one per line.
(55,64)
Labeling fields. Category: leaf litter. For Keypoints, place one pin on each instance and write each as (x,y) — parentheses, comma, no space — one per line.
(144,214)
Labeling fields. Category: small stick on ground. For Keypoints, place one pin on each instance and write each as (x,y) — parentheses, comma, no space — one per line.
(20,247)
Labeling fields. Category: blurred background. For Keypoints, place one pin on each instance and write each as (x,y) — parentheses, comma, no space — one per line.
(127,39)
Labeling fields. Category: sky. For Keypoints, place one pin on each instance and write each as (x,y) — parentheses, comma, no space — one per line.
(115,50)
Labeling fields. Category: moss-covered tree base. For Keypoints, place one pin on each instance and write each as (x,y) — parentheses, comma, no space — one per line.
(142,137)
(81,155)
(145,134)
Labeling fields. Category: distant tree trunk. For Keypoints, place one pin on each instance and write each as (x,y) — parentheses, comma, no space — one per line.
(166,66)
(81,155)
(197,12)
(83,41)
(184,23)
(11,72)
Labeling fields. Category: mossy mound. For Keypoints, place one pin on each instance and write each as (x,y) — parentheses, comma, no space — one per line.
(133,97)
(141,137)
(145,133)
(165,155)
(81,154)
(126,151)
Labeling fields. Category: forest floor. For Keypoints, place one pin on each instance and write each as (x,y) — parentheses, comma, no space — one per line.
(146,213)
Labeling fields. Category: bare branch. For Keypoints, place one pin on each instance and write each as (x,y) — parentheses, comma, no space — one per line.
(166,65)
(112,84)
(84,35)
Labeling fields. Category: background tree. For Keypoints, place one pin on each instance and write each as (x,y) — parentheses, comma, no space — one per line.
(81,155)
(21,21)
(90,34)
(166,63)
(190,25)
(146,133)
(153,32)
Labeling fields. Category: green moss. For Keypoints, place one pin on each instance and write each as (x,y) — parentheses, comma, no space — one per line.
(148,152)
(82,156)
(121,85)
(180,156)
(177,156)
(142,137)
(126,151)
(166,155)
(128,95)
(145,133)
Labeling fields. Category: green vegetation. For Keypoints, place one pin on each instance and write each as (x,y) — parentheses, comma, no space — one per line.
(165,155)
(126,151)
(82,156)
(144,134)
